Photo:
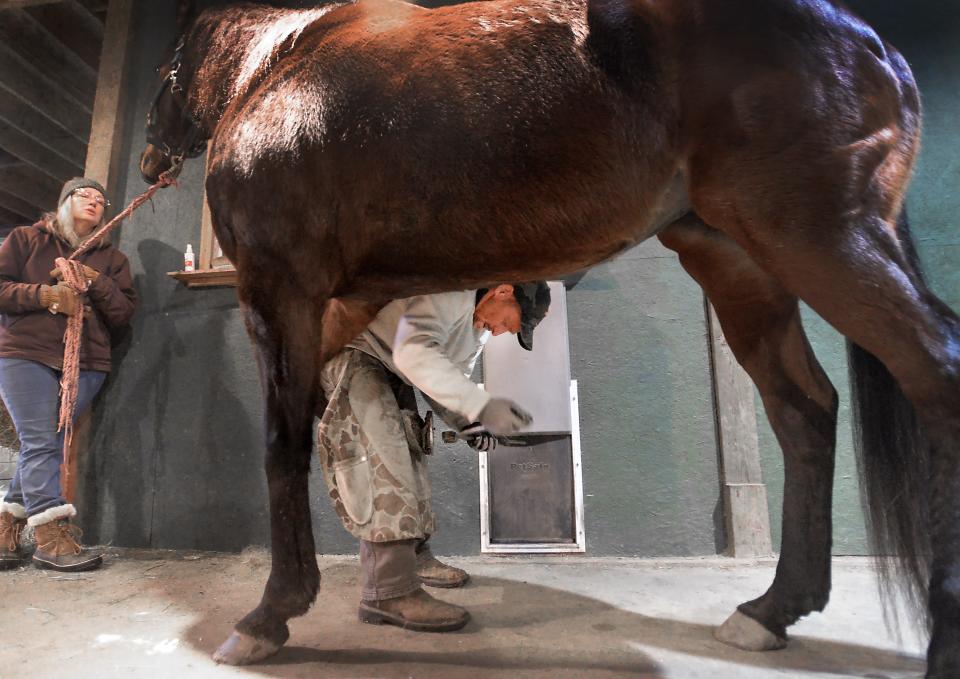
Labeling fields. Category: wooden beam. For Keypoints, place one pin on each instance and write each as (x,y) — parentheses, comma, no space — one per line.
(104,152)
(745,495)
(20,79)
(21,207)
(27,149)
(73,25)
(10,218)
(42,131)
(92,6)
(10,4)
(30,185)
(24,35)
(95,6)
(104,160)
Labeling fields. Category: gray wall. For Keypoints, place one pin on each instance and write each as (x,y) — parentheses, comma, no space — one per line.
(175,456)
(639,353)
(176,453)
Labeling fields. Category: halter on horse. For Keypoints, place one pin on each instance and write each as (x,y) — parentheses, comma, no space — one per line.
(549,136)
(193,141)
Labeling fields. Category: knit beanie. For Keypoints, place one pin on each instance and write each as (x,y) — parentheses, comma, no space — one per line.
(79,183)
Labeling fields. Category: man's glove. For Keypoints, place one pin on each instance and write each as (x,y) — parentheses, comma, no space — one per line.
(88,273)
(502,416)
(60,298)
(484,441)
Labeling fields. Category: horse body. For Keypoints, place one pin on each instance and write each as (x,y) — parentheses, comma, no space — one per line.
(419,167)
(362,152)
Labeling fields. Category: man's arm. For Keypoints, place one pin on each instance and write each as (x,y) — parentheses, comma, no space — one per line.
(418,353)
(458,422)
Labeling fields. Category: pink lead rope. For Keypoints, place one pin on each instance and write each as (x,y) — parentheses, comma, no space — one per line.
(72,272)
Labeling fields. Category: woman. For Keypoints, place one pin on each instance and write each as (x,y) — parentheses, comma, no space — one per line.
(35,304)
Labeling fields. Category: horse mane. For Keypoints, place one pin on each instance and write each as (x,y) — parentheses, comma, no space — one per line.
(233,47)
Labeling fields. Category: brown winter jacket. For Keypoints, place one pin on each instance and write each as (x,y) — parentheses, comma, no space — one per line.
(28,330)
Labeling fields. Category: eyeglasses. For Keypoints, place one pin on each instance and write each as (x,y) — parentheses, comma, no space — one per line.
(95,197)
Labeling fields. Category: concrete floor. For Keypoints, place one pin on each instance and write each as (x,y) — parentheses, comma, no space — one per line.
(161,614)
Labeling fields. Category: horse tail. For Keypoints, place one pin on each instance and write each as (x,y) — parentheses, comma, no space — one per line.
(893,459)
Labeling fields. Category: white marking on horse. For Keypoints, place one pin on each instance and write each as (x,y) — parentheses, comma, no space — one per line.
(269,36)
(284,118)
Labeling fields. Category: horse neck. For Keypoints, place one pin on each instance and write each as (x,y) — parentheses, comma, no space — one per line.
(229,50)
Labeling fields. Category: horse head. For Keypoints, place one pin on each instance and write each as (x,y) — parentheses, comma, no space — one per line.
(173,132)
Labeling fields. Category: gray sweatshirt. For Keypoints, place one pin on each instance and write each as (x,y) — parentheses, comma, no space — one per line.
(430,343)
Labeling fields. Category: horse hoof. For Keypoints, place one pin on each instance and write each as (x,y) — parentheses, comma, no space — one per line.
(746,633)
(242,649)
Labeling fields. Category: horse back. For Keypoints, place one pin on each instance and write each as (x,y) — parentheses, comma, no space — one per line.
(488,130)
(782,100)
(459,130)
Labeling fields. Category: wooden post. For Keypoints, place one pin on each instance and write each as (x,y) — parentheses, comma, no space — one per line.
(103,150)
(103,161)
(81,438)
(746,514)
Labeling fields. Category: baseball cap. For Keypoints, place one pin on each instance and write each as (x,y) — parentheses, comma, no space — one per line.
(534,300)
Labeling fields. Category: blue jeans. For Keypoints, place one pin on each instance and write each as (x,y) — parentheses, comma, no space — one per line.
(31,392)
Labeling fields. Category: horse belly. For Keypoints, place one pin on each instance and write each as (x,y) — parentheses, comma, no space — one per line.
(407,250)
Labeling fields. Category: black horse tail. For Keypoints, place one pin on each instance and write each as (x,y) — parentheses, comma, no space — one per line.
(893,459)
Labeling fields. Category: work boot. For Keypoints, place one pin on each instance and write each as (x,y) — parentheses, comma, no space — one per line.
(57,546)
(13,519)
(435,573)
(417,611)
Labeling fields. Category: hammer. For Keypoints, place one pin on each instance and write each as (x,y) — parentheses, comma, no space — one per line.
(452,436)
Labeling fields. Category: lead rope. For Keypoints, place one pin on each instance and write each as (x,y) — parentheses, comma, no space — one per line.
(72,272)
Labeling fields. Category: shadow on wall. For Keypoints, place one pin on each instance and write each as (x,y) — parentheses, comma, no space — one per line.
(163,441)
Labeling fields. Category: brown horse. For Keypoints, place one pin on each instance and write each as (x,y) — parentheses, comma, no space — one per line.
(372,150)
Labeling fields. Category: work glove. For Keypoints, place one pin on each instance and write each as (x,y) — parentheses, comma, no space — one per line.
(502,416)
(88,273)
(60,299)
(478,438)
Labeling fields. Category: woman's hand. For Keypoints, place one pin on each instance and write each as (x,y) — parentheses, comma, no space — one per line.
(60,299)
(88,273)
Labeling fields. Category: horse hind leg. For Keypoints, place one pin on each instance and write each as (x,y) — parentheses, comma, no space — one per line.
(293,338)
(761,322)
(842,253)
(872,295)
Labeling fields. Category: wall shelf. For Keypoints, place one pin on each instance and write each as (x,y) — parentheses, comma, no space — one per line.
(207,278)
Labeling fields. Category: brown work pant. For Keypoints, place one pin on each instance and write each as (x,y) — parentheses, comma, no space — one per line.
(388,569)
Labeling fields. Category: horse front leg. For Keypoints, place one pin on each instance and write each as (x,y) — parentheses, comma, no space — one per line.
(287,353)
(761,322)
(293,343)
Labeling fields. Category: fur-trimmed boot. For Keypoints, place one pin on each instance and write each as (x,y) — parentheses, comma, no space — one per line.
(57,546)
(13,519)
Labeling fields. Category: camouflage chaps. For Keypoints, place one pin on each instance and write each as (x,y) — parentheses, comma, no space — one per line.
(375,469)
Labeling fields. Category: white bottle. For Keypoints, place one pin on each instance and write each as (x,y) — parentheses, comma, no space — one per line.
(189,263)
